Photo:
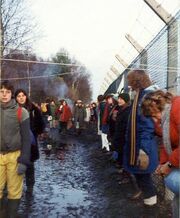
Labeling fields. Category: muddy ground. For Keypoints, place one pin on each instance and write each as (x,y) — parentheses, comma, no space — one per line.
(76,179)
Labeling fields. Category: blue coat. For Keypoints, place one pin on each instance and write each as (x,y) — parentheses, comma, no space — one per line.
(145,140)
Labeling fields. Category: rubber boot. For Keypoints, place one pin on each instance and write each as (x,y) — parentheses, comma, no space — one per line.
(13,205)
(1,204)
(2,209)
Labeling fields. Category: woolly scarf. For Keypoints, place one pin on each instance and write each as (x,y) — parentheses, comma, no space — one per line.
(165,122)
(133,130)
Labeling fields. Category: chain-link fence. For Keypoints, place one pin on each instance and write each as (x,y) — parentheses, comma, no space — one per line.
(161,59)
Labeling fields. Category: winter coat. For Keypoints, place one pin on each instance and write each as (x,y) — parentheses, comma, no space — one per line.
(145,140)
(93,114)
(79,115)
(106,116)
(36,121)
(174,135)
(53,109)
(15,134)
(88,114)
(101,108)
(112,120)
(37,127)
(47,108)
(64,113)
(120,129)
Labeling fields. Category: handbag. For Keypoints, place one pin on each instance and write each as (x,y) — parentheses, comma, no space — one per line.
(142,160)
(172,181)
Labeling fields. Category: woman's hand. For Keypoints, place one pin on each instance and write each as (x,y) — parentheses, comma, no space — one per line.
(158,169)
(163,169)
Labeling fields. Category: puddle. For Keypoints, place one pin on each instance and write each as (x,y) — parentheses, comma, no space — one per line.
(70,197)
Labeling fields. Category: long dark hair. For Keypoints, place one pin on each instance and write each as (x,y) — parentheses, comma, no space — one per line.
(28,104)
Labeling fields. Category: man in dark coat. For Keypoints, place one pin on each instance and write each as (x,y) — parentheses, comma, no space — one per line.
(140,140)
(79,116)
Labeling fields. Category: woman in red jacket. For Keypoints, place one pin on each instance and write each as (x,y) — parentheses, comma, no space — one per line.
(65,115)
(164,108)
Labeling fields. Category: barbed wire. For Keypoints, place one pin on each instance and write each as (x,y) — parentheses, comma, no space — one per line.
(40,62)
(139,14)
(145,69)
(35,77)
(76,65)
(152,65)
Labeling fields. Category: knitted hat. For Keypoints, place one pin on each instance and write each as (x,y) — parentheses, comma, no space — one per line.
(125,97)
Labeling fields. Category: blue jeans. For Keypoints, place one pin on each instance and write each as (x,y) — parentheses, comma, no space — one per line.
(175,206)
(172,181)
(145,184)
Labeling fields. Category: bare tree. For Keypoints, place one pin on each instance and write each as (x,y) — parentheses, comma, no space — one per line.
(17,27)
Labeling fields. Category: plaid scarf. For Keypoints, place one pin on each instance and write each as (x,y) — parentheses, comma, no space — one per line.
(165,122)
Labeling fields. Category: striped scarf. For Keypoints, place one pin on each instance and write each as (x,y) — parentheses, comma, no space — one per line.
(133,130)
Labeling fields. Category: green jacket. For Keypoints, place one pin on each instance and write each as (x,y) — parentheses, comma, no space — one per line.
(53,109)
(15,134)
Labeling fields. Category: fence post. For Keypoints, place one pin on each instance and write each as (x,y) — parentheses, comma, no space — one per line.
(173,57)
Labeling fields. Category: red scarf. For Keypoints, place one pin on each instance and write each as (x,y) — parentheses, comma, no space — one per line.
(105,114)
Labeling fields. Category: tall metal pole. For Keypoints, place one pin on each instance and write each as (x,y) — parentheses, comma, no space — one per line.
(29,81)
(178,84)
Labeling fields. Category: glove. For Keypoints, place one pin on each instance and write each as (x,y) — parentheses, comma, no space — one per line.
(115,155)
(21,169)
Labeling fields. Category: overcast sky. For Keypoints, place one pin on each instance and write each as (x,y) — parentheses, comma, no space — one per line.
(93,30)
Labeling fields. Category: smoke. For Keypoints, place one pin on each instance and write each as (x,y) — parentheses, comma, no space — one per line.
(49,84)
(60,89)
(70,103)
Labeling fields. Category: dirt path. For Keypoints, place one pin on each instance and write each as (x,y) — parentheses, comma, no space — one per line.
(76,179)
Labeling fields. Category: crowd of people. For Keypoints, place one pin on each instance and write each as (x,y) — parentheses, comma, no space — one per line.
(63,116)
(22,122)
(133,131)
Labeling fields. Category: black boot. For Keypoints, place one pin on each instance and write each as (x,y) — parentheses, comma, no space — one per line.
(13,205)
(78,131)
(1,204)
(3,208)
